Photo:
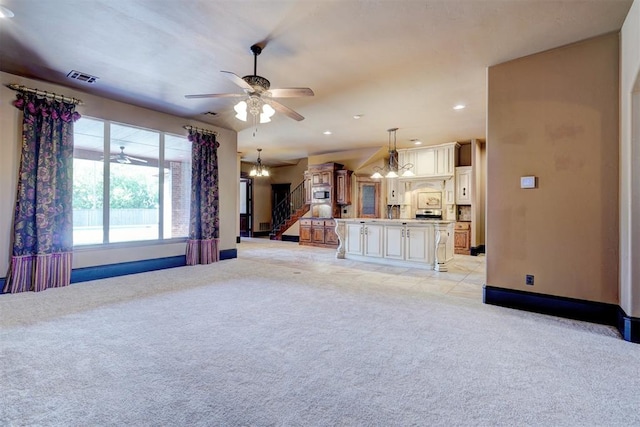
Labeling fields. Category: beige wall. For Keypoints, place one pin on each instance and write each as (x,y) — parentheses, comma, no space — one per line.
(293,174)
(630,163)
(555,115)
(103,108)
(478,207)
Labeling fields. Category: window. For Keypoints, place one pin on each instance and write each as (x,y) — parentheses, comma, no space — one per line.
(141,193)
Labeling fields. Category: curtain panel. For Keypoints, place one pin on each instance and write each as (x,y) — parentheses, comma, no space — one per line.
(43,219)
(202,246)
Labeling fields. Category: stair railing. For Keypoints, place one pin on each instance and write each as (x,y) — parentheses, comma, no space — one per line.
(287,207)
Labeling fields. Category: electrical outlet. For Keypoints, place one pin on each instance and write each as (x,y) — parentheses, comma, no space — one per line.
(528,280)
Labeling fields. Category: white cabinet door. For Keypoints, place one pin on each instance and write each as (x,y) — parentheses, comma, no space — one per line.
(373,240)
(394,241)
(419,244)
(354,239)
(425,162)
(463,185)
(407,157)
(392,192)
(445,161)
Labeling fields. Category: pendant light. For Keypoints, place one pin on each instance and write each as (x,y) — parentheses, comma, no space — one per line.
(259,170)
(393,169)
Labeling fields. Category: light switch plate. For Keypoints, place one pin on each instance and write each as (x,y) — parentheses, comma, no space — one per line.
(528,182)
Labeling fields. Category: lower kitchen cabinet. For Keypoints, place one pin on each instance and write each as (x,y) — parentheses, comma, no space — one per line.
(408,243)
(462,238)
(364,239)
(318,232)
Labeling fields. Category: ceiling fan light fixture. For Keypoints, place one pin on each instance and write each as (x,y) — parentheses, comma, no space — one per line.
(267,112)
(241,110)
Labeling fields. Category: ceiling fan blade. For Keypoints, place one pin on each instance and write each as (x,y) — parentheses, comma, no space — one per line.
(135,159)
(215,95)
(291,92)
(238,80)
(285,110)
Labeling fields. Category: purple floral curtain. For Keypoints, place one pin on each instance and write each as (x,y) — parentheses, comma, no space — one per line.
(43,221)
(202,246)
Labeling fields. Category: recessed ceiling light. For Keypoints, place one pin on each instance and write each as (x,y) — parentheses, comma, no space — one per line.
(416,141)
(357,116)
(5,13)
(327,132)
(459,107)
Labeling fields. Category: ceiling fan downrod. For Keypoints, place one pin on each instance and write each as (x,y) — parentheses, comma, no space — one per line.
(257,50)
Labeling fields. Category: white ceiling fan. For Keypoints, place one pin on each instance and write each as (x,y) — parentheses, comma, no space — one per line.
(259,96)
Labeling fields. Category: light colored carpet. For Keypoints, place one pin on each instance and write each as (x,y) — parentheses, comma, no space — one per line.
(289,336)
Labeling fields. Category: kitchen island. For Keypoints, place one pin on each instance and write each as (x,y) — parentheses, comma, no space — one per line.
(413,243)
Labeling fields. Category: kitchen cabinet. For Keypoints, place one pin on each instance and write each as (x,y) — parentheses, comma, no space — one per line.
(318,232)
(364,239)
(463,185)
(322,177)
(408,243)
(305,231)
(343,187)
(431,162)
(462,238)
(330,236)
(425,244)
(395,192)
(307,188)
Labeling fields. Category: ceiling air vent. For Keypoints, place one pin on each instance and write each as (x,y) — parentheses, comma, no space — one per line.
(83,77)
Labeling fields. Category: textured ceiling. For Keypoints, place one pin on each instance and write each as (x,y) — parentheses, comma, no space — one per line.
(399,63)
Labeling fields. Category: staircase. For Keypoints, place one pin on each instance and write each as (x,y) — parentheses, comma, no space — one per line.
(288,211)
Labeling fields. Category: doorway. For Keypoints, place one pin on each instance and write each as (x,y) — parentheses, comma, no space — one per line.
(246,207)
(368,198)
(280,193)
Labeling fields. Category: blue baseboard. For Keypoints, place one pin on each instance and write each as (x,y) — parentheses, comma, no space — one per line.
(589,311)
(629,327)
(114,270)
(228,254)
(124,268)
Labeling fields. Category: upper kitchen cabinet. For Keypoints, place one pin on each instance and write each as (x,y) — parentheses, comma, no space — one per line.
(438,161)
(343,187)
(463,185)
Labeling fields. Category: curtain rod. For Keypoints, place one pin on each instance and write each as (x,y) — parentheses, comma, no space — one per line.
(204,131)
(20,88)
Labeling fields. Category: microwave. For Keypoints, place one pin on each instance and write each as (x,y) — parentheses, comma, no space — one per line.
(321,195)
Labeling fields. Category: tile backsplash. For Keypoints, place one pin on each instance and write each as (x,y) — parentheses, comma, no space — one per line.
(464,213)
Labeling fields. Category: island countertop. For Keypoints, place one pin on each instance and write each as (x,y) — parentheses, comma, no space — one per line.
(408,221)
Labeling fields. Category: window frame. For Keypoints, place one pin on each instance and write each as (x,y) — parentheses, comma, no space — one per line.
(106,173)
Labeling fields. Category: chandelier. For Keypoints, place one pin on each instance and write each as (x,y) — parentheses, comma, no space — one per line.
(392,169)
(258,169)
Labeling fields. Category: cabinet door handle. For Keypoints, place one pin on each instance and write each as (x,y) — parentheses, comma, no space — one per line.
(408,234)
(464,191)
(393,193)
(402,233)
(366,231)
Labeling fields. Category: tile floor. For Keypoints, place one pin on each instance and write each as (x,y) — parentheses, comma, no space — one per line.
(464,279)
